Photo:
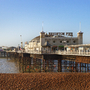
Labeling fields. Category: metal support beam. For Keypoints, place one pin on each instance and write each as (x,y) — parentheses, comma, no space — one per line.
(76,67)
(59,65)
(80,67)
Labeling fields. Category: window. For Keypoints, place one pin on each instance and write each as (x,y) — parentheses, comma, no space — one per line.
(53,41)
(60,41)
(67,41)
(74,42)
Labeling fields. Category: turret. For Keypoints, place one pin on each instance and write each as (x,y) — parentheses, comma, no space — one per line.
(80,37)
(42,38)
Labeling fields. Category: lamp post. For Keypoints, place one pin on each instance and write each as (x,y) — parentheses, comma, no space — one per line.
(18,47)
(21,41)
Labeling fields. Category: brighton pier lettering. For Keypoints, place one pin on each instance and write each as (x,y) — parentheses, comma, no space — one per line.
(61,33)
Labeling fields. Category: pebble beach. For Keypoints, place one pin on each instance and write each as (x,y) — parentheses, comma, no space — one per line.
(45,81)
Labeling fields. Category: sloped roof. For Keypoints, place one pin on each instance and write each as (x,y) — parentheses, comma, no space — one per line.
(46,44)
(38,37)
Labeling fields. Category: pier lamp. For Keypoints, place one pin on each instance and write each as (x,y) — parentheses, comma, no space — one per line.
(21,41)
(18,46)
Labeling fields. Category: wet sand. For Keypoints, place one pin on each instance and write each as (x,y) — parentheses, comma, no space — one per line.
(45,81)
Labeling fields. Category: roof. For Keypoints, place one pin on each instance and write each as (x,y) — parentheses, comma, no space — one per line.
(46,44)
(38,37)
(80,32)
(42,31)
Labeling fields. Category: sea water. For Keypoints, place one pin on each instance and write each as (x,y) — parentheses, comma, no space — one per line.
(8,66)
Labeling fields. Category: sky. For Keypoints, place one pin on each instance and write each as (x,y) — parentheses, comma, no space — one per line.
(25,17)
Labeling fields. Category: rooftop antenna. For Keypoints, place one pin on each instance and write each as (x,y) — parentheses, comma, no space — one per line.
(42,26)
(80,27)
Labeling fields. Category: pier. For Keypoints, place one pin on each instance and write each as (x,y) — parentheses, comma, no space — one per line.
(44,62)
(3,54)
(41,52)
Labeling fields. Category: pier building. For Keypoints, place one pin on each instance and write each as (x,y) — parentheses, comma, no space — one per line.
(53,41)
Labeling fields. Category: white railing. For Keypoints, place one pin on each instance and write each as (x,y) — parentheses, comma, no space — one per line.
(60,52)
(56,52)
(74,53)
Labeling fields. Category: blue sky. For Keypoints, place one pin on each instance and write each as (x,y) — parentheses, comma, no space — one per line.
(24,17)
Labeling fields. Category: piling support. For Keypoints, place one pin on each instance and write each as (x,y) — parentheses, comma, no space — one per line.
(43,63)
(4,54)
(20,63)
(59,65)
(85,67)
(40,65)
(76,67)
(80,67)
(0,54)
(7,56)
(29,62)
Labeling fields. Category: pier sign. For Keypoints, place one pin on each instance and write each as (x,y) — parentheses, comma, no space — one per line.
(61,33)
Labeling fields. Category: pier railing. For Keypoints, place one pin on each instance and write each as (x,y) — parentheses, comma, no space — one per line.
(60,52)
(57,52)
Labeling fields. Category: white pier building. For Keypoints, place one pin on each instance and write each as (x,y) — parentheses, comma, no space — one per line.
(53,41)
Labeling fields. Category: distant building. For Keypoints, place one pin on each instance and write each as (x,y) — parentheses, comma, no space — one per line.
(53,41)
(11,48)
(4,47)
(1,49)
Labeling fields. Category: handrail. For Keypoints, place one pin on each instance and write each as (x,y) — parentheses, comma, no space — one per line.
(56,52)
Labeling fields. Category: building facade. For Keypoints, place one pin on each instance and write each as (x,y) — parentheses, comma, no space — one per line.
(53,41)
